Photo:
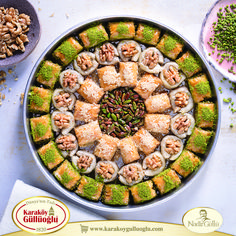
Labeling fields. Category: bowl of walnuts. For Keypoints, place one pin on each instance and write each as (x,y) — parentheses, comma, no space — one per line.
(19,31)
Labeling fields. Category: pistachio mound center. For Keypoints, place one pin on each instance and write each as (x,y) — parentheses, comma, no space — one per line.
(122,112)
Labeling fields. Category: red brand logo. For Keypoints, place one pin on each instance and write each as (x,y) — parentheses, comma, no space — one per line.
(40,215)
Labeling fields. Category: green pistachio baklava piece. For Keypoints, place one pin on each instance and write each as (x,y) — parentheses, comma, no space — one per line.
(115,194)
(121,30)
(206,114)
(147,34)
(166,181)
(67,51)
(143,192)
(67,175)
(39,100)
(94,36)
(89,188)
(41,128)
(170,45)
(186,163)
(189,63)
(50,155)
(200,88)
(48,74)
(199,140)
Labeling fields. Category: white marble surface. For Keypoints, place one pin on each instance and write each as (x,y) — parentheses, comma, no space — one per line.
(216,187)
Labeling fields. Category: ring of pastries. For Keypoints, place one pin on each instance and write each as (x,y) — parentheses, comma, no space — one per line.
(122,113)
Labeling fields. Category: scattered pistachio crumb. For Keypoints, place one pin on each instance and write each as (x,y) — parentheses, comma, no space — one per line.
(52,15)
(5,85)
(3,97)
(9,89)
(227,100)
(16,79)
(39,9)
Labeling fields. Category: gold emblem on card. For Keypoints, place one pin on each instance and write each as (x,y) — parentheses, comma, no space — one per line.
(40,215)
(202,220)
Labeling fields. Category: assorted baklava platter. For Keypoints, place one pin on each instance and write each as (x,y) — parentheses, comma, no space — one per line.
(122,112)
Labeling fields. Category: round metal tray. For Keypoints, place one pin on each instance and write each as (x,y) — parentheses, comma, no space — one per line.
(98,205)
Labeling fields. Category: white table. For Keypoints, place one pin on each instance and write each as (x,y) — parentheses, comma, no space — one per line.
(216,186)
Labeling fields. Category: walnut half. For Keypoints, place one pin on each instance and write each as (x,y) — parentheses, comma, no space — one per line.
(66,143)
(182,124)
(84,162)
(151,59)
(172,146)
(181,99)
(105,170)
(106,52)
(131,173)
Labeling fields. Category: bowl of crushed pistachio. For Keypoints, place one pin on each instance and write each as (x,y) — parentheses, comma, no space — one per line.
(218,38)
(19,31)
